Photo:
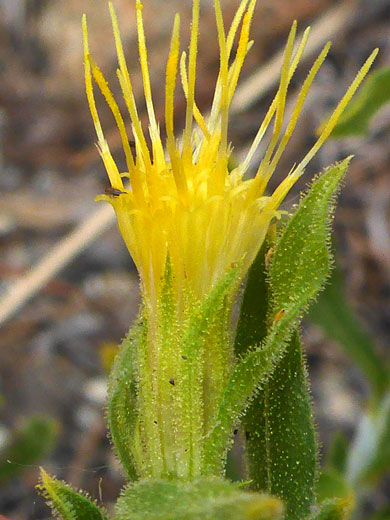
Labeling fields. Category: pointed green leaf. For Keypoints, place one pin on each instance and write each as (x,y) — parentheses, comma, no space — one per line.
(207,499)
(333,313)
(122,401)
(203,352)
(201,317)
(299,268)
(283,456)
(374,93)
(29,444)
(336,509)
(280,439)
(66,503)
(301,261)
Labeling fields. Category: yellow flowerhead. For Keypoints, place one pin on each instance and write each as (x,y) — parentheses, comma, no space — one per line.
(182,202)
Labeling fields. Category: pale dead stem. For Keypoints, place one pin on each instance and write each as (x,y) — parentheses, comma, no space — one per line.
(329,25)
(59,256)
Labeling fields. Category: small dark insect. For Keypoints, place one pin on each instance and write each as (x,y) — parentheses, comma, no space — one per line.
(184,357)
(155,422)
(235,432)
(113,191)
(172,382)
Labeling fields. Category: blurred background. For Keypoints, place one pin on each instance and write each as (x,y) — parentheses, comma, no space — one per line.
(58,341)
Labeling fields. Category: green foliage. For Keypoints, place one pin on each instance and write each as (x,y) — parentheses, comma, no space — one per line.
(205,345)
(369,457)
(252,321)
(122,403)
(338,453)
(362,464)
(335,509)
(29,445)
(206,499)
(301,260)
(200,319)
(332,484)
(280,438)
(251,330)
(299,268)
(289,456)
(66,503)
(374,93)
(333,313)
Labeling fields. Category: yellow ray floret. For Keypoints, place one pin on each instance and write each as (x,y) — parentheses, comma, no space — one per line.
(185,204)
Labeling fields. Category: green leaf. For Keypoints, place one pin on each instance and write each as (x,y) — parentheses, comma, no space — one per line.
(301,261)
(337,454)
(122,401)
(252,321)
(369,456)
(299,268)
(283,456)
(279,431)
(29,445)
(333,313)
(332,484)
(66,503)
(204,353)
(336,509)
(199,321)
(242,384)
(251,330)
(206,499)
(374,93)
